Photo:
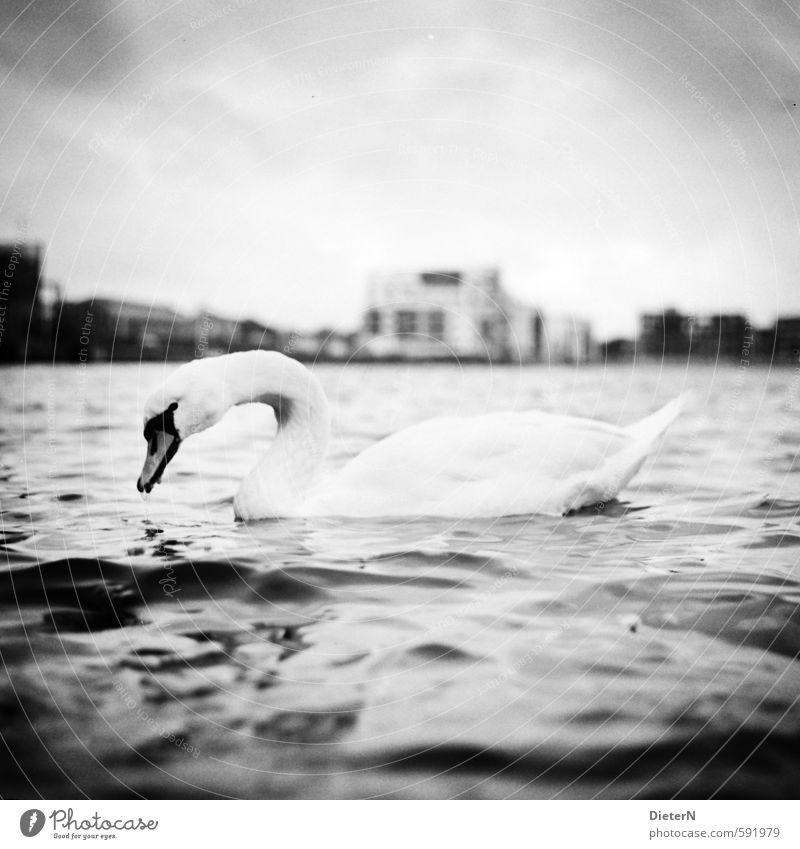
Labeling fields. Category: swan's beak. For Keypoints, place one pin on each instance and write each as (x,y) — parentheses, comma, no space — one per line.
(160,450)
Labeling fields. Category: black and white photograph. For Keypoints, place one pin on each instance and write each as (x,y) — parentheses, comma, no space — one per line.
(400,401)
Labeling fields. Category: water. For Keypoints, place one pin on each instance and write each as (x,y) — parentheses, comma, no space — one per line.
(644,649)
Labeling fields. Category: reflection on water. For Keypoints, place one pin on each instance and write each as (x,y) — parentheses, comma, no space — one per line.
(647,648)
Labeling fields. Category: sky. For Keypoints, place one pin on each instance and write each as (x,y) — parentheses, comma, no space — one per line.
(261,157)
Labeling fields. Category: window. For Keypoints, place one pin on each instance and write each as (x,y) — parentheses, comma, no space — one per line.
(373,321)
(436,323)
(406,321)
(441,278)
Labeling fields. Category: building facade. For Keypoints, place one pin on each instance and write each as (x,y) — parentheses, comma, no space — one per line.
(566,339)
(721,336)
(665,334)
(23,328)
(464,314)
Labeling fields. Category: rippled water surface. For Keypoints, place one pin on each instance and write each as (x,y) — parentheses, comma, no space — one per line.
(644,649)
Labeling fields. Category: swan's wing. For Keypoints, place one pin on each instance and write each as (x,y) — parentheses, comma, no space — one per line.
(491,465)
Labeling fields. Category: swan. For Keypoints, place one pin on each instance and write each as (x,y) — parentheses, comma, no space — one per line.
(496,464)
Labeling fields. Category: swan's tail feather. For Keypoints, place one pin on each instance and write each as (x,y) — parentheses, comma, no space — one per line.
(653,426)
(614,475)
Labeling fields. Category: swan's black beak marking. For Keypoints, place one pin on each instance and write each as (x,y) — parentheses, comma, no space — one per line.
(162,444)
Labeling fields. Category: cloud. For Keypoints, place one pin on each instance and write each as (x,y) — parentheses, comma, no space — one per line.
(617,156)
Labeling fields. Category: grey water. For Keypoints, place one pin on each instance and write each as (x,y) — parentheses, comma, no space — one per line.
(645,648)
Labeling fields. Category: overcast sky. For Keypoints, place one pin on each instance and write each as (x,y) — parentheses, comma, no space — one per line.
(259,157)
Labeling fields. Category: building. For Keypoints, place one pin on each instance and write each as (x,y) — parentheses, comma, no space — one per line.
(101,329)
(106,328)
(333,345)
(213,335)
(665,334)
(443,314)
(566,340)
(618,349)
(785,340)
(719,336)
(727,337)
(23,330)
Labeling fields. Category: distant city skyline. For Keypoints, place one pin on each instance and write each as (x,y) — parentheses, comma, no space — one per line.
(261,159)
(458,315)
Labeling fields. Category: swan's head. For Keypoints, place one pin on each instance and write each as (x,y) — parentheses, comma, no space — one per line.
(190,401)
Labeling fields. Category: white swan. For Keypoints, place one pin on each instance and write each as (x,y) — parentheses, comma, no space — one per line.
(497,464)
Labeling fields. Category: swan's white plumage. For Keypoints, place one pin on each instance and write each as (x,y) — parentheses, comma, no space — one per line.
(491,465)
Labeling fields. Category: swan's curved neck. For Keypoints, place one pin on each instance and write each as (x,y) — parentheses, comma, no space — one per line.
(279,484)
